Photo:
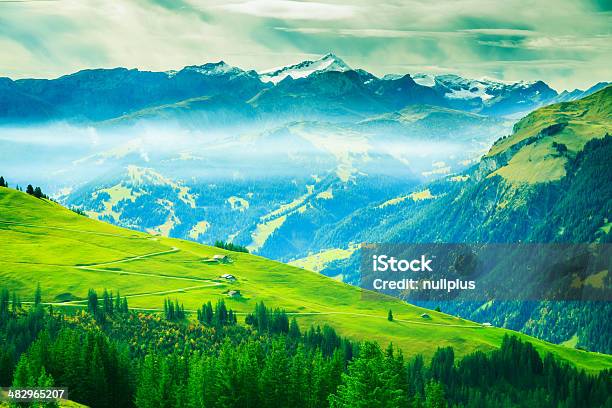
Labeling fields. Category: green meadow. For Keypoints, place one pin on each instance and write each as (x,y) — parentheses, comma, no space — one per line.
(43,242)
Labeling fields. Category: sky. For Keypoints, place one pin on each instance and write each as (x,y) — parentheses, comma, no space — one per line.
(566,43)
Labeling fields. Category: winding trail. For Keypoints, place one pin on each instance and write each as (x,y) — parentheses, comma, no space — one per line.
(96,268)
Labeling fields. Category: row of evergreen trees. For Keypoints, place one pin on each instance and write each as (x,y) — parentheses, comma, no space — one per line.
(35,191)
(218,316)
(270,321)
(173,311)
(266,364)
(110,305)
(230,246)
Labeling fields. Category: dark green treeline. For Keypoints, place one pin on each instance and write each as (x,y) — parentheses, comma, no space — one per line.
(109,356)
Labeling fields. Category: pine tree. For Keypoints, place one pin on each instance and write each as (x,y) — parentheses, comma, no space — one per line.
(38,193)
(124,305)
(44,380)
(21,376)
(4,304)
(170,310)
(177,309)
(2,182)
(294,329)
(117,305)
(221,313)
(390,316)
(15,303)
(298,378)
(370,381)
(92,302)
(247,371)
(434,395)
(274,376)
(108,302)
(97,376)
(207,313)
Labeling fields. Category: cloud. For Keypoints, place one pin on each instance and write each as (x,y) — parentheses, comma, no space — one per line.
(512,32)
(595,43)
(369,32)
(501,43)
(291,10)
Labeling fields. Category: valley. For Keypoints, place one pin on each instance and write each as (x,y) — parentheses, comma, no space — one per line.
(303,163)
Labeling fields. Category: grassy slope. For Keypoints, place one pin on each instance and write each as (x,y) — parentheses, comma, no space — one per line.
(41,241)
(586,119)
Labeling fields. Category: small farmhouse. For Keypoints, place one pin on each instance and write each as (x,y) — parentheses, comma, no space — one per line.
(425,316)
(228,276)
(221,258)
(234,293)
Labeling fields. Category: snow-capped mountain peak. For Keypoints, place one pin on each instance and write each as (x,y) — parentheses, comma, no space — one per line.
(328,62)
(424,79)
(215,68)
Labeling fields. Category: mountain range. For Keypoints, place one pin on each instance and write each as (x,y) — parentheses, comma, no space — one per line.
(325,87)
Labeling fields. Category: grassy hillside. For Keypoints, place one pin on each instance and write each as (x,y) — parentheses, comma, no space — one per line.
(568,124)
(41,241)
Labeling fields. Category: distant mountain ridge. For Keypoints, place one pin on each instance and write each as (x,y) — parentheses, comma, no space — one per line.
(567,96)
(322,87)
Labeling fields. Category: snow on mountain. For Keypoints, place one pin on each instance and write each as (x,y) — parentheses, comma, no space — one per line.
(456,87)
(329,62)
(215,68)
(462,88)
(485,89)
(424,80)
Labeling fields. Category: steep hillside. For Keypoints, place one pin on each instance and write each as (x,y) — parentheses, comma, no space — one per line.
(68,253)
(572,123)
(530,187)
